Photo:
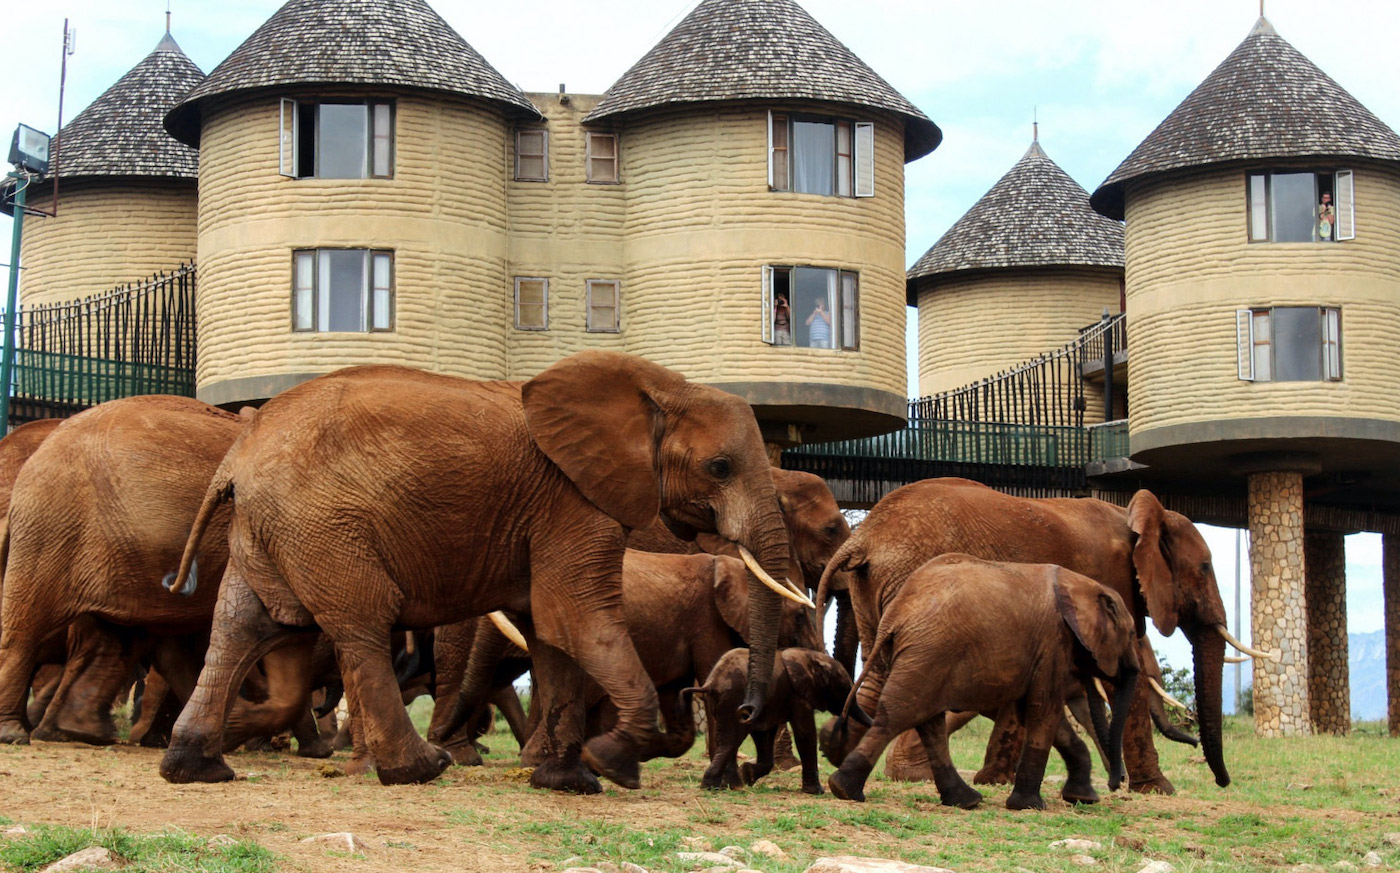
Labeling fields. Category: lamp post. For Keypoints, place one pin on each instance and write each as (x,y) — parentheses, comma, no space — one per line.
(29,152)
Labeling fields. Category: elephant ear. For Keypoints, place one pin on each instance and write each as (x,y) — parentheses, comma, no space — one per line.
(732,594)
(596,416)
(1097,616)
(1147,520)
(817,678)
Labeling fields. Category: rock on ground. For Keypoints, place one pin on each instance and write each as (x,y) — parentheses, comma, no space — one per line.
(1077,845)
(768,849)
(91,858)
(343,841)
(712,859)
(1084,860)
(1373,859)
(1157,867)
(854,864)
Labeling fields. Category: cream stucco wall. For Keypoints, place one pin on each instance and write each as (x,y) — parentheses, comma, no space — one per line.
(1190,267)
(443,214)
(108,232)
(977,326)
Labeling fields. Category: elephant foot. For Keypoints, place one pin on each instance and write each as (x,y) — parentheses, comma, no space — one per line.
(359,765)
(53,734)
(318,748)
(846,786)
(256,744)
(721,776)
(814,787)
(12,733)
(1025,800)
(961,796)
(1079,792)
(750,772)
(465,755)
(610,757)
(425,769)
(897,771)
(994,774)
(182,766)
(153,739)
(1157,784)
(562,776)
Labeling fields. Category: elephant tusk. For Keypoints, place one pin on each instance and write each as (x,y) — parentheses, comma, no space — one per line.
(1165,696)
(1098,686)
(782,590)
(1237,659)
(1253,653)
(508,629)
(408,644)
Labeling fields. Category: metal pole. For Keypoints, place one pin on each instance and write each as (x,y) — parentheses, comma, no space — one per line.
(1107,368)
(1238,667)
(7,362)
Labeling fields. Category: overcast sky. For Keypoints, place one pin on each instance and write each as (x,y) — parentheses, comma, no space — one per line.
(1099,75)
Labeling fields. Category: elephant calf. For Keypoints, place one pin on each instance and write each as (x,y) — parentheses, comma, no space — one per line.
(803,681)
(967,634)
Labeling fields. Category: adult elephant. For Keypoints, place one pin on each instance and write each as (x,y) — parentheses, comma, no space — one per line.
(1155,560)
(380,497)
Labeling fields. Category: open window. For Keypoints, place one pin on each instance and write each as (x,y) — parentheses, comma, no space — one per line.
(1289,344)
(1301,206)
(834,157)
(336,139)
(342,290)
(811,307)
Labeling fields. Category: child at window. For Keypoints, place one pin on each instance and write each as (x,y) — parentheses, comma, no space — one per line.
(1326,218)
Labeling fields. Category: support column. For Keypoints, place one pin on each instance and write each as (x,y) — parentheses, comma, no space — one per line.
(1279,615)
(1390,549)
(1329,684)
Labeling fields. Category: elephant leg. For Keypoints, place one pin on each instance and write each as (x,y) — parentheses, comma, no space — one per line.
(847,633)
(361,760)
(1079,784)
(99,663)
(762,765)
(848,782)
(401,756)
(804,735)
(1044,713)
(783,757)
(1003,749)
(907,760)
(20,641)
(725,735)
(952,789)
(160,706)
(45,685)
(679,734)
(310,741)
(557,743)
(1139,753)
(243,633)
(288,702)
(508,702)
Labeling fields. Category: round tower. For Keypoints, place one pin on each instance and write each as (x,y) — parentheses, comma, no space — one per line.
(128,199)
(1263,295)
(1017,276)
(764,189)
(353,204)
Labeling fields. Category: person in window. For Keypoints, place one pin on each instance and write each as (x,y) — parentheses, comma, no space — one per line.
(782,322)
(819,326)
(1326,218)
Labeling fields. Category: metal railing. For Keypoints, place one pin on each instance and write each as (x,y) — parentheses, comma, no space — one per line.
(1108,441)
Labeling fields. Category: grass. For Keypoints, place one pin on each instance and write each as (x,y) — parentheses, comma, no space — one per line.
(137,853)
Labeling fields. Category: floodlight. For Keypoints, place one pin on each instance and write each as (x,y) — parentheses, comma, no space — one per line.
(29,149)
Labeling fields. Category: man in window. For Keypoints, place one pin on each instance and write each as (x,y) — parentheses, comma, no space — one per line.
(782,322)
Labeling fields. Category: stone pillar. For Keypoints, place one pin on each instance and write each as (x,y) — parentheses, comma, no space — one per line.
(1390,549)
(1329,686)
(1278,611)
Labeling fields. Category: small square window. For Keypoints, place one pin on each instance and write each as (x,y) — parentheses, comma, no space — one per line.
(531,303)
(342,290)
(601,157)
(603,305)
(532,155)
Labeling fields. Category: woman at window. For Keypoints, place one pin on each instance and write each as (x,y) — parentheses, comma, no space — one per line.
(1326,218)
(819,326)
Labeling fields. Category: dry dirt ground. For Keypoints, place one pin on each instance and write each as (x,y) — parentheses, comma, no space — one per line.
(486,819)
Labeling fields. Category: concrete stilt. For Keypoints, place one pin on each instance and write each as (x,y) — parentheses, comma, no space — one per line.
(1390,548)
(1329,685)
(1278,602)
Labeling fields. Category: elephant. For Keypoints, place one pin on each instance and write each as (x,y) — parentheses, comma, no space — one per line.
(1154,559)
(381,497)
(804,680)
(962,633)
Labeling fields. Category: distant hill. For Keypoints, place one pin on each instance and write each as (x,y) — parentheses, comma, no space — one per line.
(1366,661)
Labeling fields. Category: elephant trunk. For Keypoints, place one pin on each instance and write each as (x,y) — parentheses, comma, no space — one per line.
(1208,653)
(1125,688)
(770,546)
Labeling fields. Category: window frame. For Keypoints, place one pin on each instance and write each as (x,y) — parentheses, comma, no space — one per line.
(590,156)
(543,304)
(853,171)
(1260,207)
(370,291)
(844,337)
(1255,339)
(590,306)
(381,123)
(543,154)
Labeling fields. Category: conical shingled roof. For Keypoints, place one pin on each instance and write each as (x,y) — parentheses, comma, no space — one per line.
(1034,216)
(1266,100)
(120,133)
(401,43)
(759,50)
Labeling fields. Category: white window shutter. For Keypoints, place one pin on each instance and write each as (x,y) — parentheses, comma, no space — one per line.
(1244,341)
(1345,204)
(865,159)
(1331,344)
(287,139)
(770,160)
(768,303)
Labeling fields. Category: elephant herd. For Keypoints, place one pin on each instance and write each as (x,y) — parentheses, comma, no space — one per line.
(625,532)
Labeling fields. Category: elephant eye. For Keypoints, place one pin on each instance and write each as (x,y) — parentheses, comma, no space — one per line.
(719,468)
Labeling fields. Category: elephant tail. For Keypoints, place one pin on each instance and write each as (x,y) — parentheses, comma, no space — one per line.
(186,579)
(702,690)
(4,547)
(846,556)
(882,637)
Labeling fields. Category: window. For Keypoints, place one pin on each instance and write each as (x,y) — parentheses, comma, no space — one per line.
(1290,344)
(531,303)
(603,308)
(601,157)
(532,155)
(336,140)
(812,307)
(814,155)
(342,290)
(1301,207)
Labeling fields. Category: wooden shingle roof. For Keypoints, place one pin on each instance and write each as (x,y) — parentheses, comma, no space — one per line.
(1266,100)
(120,133)
(1034,216)
(398,43)
(759,50)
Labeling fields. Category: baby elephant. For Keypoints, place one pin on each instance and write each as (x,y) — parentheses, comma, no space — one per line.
(804,680)
(968,634)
